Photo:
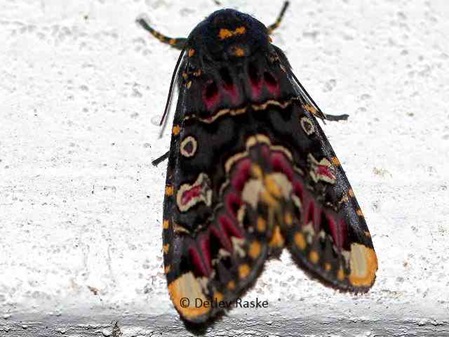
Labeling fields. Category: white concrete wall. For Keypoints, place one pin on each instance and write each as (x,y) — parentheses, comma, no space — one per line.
(82,89)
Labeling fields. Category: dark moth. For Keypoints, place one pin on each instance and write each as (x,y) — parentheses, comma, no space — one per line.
(250,172)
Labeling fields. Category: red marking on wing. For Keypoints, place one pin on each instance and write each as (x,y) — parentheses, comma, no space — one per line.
(200,267)
(343,234)
(271,83)
(211,95)
(233,203)
(310,213)
(193,193)
(241,174)
(255,81)
(323,170)
(231,227)
(280,164)
(222,236)
(299,190)
(231,91)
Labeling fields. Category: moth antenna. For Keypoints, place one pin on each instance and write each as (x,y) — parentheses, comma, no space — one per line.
(177,43)
(163,121)
(275,25)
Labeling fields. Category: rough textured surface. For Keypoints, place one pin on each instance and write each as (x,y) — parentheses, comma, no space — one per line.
(82,89)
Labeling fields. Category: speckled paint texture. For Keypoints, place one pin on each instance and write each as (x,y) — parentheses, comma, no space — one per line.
(82,89)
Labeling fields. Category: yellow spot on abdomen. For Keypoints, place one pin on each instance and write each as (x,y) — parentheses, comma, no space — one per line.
(167,269)
(327,266)
(166,248)
(231,285)
(191,52)
(359,212)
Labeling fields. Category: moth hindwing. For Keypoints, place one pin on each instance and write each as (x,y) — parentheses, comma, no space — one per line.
(250,172)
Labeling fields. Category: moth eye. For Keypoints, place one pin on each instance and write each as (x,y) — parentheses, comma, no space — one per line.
(270,80)
(226,77)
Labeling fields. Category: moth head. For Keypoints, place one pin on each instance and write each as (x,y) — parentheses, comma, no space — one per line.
(229,35)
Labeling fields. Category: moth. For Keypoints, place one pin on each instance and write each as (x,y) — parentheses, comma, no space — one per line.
(251,172)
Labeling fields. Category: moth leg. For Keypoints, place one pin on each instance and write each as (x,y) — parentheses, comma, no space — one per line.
(177,43)
(336,118)
(159,160)
(275,25)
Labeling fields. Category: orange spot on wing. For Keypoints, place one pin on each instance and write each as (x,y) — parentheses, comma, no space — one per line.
(363,262)
(244,271)
(277,240)
(310,109)
(169,190)
(261,224)
(335,161)
(218,296)
(314,256)
(165,224)
(340,274)
(176,130)
(288,219)
(254,249)
(188,287)
(300,241)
